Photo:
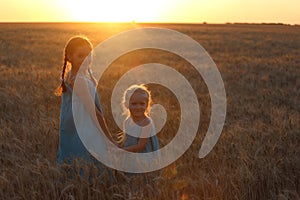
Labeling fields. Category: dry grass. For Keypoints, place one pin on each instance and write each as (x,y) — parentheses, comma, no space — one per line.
(257,156)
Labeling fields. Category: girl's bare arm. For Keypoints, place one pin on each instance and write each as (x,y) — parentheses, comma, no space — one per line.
(82,91)
(142,142)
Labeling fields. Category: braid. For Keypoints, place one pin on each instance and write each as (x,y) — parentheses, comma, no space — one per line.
(63,85)
(62,88)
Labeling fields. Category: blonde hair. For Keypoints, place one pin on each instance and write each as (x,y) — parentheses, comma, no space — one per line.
(142,89)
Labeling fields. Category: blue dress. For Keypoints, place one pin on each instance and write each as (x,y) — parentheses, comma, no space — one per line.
(70,144)
(152,145)
(130,126)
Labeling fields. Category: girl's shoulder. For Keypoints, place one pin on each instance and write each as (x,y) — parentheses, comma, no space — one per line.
(145,122)
(70,79)
(83,76)
(86,79)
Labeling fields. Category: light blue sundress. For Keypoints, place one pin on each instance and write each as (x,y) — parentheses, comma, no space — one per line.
(70,144)
(152,145)
(130,126)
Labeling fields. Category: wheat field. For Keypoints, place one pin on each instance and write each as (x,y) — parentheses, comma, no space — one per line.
(256,157)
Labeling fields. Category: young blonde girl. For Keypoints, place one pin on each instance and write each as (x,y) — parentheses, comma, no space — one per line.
(139,129)
(76,64)
(140,135)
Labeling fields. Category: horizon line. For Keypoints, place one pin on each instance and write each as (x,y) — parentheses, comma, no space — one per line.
(134,22)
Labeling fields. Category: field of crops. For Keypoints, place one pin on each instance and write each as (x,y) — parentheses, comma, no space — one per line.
(256,157)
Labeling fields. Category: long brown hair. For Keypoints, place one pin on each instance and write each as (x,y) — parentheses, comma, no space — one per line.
(71,46)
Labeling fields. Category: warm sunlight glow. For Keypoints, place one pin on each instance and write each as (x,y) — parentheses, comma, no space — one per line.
(114,10)
(174,11)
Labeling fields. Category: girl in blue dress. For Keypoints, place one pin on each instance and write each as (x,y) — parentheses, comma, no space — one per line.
(77,60)
(140,134)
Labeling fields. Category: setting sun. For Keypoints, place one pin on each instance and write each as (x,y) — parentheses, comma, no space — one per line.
(114,10)
(156,11)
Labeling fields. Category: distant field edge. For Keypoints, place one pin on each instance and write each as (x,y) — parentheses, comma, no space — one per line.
(155,23)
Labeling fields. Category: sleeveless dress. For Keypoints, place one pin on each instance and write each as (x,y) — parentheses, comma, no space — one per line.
(70,144)
(131,127)
(152,145)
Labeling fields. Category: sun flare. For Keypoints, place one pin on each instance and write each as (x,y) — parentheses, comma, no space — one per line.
(114,10)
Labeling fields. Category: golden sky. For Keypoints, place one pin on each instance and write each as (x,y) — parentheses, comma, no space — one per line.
(186,11)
